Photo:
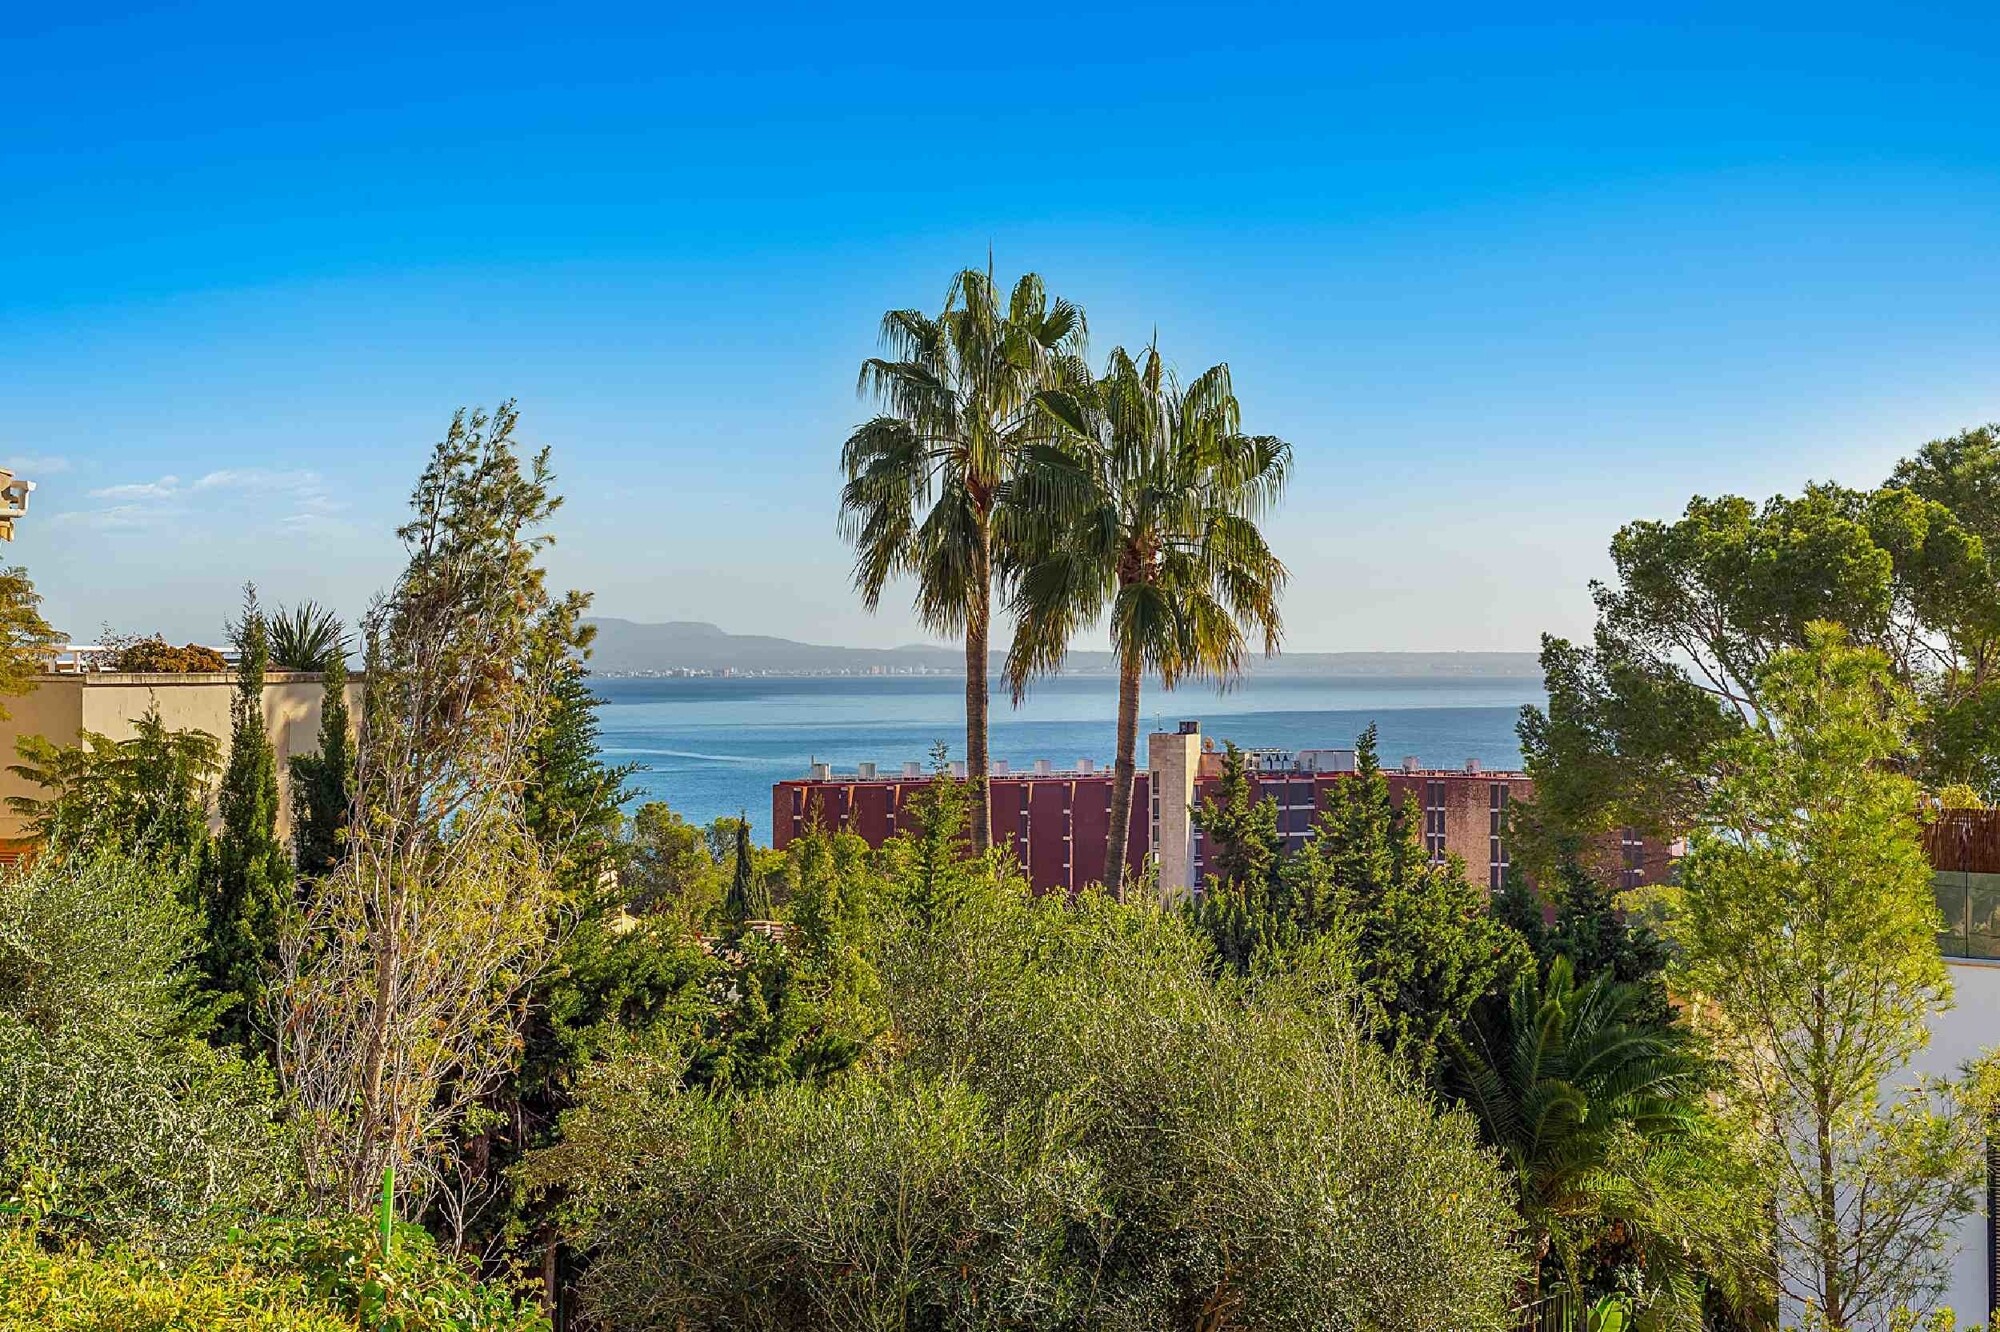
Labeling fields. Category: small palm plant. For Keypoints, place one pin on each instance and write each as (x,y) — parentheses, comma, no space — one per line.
(306,637)
(1562,1078)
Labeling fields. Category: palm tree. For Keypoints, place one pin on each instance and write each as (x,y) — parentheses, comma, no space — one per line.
(926,478)
(1568,1072)
(1146,506)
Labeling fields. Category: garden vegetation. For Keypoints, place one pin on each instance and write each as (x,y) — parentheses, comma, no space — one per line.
(482,1046)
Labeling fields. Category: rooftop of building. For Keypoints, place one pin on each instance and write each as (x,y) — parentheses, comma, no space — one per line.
(1266,761)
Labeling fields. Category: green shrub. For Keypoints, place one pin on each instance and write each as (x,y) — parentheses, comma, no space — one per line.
(316,1276)
(335,1262)
(1075,1126)
(125,1126)
(75,1289)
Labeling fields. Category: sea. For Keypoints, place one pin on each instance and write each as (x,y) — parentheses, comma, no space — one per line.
(713,746)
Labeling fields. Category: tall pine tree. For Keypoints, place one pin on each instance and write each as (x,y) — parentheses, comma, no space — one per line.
(248,886)
(323,783)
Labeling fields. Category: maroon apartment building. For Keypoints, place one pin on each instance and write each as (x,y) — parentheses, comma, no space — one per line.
(1056,822)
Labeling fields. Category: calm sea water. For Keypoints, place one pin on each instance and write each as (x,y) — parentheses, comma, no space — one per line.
(711,747)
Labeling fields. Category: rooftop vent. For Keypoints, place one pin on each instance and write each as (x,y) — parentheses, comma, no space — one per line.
(1043,767)
(1085,766)
(820,772)
(958,768)
(999,767)
(913,770)
(1411,764)
(1472,765)
(865,771)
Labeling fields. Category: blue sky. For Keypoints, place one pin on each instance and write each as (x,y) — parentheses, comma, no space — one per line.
(1504,285)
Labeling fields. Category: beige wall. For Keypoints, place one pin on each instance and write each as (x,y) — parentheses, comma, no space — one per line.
(110,702)
(1173,762)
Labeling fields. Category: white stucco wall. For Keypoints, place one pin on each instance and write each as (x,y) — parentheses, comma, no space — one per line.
(1966,1031)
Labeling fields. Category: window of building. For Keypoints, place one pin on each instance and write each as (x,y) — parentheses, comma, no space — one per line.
(1631,858)
(1434,820)
(1497,795)
(1021,825)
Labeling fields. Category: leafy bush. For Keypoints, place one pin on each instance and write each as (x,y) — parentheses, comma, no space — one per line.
(335,1262)
(122,1123)
(158,656)
(287,1277)
(865,1204)
(78,1290)
(1072,1124)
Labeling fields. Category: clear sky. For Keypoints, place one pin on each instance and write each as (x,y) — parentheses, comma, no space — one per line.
(1503,285)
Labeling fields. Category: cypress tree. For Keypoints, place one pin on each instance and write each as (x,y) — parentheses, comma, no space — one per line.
(743,902)
(1241,831)
(250,877)
(323,783)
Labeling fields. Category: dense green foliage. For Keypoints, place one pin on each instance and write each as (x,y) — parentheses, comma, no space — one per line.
(1700,606)
(323,1276)
(145,795)
(76,1289)
(1072,1124)
(246,884)
(117,1120)
(1565,1078)
(665,866)
(1418,941)
(1808,933)
(572,797)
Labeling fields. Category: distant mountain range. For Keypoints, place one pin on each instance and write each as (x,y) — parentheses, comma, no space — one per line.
(626,647)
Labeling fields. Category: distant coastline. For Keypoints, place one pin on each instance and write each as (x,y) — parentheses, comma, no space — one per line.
(694,649)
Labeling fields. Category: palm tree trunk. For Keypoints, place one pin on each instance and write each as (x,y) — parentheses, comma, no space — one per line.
(978,621)
(1124,777)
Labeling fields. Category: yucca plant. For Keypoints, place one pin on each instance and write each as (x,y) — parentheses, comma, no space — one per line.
(306,637)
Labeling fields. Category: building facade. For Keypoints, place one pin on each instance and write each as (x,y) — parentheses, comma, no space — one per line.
(1964,847)
(65,704)
(1056,822)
